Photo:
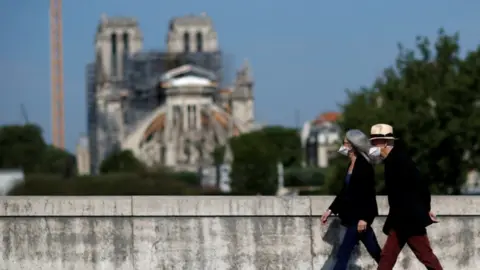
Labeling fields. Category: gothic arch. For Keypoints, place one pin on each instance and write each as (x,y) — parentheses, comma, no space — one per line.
(126,42)
(157,124)
(113,58)
(186,42)
(199,41)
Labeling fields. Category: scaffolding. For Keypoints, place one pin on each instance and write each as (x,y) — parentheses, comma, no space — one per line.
(90,83)
(143,69)
(143,72)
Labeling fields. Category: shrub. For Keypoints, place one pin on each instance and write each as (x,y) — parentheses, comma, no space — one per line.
(300,177)
(154,183)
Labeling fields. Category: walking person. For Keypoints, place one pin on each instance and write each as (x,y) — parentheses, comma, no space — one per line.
(356,203)
(409,200)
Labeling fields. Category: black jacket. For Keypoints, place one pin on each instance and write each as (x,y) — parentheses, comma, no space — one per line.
(356,201)
(408,195)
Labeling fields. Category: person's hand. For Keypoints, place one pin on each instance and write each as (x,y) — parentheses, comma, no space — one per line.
(433,217)
(325,216)
(362,226)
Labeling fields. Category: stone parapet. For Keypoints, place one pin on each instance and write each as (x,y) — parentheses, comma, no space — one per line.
(209,232)
(206,206)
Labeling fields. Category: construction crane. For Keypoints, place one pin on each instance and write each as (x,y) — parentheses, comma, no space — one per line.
(24,114)
(56,74)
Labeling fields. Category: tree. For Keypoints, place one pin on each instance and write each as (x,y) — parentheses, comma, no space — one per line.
(287,144)
(21,147)
(112,184)
(303,177)
(56,161)
(430,97)
(256,155)
(121,161)
(254,165)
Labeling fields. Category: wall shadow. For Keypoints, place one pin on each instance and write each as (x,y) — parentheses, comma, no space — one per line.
(334,237)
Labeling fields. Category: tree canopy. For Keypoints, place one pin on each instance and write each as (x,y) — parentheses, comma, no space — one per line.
(121,161)
(431,98)
(23,147)
(256,155)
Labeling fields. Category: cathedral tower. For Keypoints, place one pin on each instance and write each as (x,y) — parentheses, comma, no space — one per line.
(116,39)
(192,33)
(242,95)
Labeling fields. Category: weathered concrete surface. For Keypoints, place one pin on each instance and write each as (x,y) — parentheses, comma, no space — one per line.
(84,233)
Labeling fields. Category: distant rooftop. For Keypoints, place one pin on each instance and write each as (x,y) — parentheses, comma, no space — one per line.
(327,117)
(116,21)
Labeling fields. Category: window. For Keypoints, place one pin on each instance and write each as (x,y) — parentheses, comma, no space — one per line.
(177,112)
(192,116)
(199,41)
(194,112)
(126,52)
(186,42)
(163,155)
(114,54)
(126,45)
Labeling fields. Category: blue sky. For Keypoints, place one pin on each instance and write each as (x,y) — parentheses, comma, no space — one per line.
(304,53)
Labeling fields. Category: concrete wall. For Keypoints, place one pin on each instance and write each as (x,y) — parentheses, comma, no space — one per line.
(84,233)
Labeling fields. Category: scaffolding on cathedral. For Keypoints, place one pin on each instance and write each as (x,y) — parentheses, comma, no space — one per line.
(169,107)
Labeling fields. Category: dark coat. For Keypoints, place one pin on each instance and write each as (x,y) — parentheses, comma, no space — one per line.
(357,201)
(408,195)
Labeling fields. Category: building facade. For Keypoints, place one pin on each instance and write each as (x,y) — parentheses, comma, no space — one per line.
(169,108)
(83,157)
(9,178)
(472,183)
(321,139)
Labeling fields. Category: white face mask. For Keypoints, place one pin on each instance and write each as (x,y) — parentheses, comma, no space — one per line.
(374,152)
(343,150)
(375,155)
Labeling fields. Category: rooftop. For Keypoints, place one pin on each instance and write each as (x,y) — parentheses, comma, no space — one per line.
(326,117)
(116,21)
(198,20)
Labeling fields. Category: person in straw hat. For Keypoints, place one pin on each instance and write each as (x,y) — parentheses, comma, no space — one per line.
(409,200)
(356,204)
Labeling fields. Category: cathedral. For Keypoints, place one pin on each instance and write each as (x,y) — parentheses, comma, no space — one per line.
(170,107)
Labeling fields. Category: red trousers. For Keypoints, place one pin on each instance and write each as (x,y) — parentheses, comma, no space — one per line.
(419,245)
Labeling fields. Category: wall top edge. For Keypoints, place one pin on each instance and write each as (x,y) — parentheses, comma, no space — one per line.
(209,206)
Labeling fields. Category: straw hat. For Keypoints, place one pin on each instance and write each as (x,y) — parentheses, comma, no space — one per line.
(382,131)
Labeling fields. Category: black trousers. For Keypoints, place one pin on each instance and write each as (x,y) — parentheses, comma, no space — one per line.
(351,239)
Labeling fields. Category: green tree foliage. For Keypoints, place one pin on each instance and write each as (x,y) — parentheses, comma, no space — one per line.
(302,177)
(23,147)
(121,161)
(256,155)
(46,167)
(430,96)
(113,184)
(254,166)
(148,182)
(286,143)
(56,161)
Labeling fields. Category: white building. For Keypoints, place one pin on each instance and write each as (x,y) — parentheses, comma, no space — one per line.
(83,156)
(167,112)
(320,139)
(472,183)
(10,178)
